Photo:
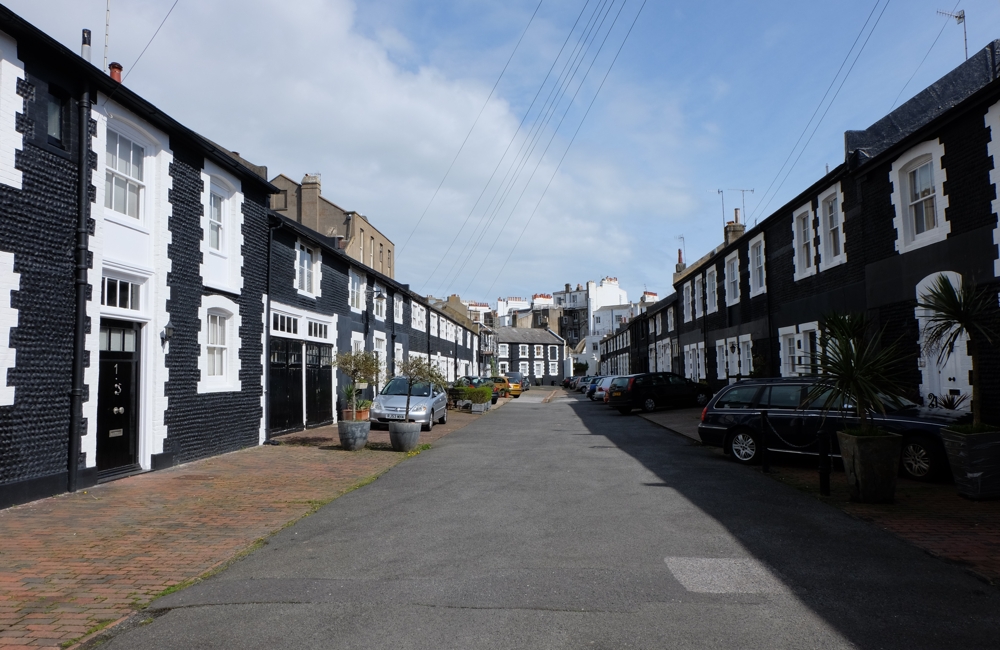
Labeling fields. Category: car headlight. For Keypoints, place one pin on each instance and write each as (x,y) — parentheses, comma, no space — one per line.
(376,404)
(418,409)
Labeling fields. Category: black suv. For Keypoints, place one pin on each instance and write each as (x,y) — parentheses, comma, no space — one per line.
(652,390)
(732,421)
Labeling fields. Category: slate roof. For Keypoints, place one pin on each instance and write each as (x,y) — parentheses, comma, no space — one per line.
(526,335)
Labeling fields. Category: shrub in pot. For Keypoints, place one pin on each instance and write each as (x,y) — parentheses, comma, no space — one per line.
(360,368)
(856,371)
(480,398)
(405,435)
(955,315)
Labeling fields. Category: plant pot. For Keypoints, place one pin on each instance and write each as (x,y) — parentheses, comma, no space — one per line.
(975,462)
(353,434)
(479,408)
(404,436)
(872,465)
(362,414)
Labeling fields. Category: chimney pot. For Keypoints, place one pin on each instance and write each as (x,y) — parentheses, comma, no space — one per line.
(116,71)
(737,217)
(85,46)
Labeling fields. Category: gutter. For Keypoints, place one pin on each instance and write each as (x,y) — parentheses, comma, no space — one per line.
(80,324)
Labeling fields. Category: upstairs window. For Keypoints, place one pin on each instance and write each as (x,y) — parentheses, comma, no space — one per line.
(356,291)
(920,203)
(758,276)
(831,230)
(670,320)
(56,114)
(503,350)
(123,184)
(379,305)
(540,351)
(216,220)
(522,350)
(306,270)
(733,279)
(397,308)
(699,290)
(803,237)
(712,286)
(687,303)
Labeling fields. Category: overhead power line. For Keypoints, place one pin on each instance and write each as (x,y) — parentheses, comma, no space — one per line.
(572,140)
(457,153)
(805,129)
(136,62)
(919,65)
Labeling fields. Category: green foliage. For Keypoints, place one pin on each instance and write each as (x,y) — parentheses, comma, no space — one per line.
(479,395)
(580,368)
(954,314)
(854,368)
(360,367)
(364,404)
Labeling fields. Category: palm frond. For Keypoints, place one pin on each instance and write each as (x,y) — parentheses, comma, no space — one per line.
(954,313)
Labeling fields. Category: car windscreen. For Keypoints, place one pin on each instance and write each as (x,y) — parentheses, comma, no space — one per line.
(397,386)
(738,397)
(619,382)
(514,376)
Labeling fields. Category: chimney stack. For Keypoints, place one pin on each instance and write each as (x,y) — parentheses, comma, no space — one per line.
(680,261)
(309,204)
(116,71)
(734,229)
(85,47)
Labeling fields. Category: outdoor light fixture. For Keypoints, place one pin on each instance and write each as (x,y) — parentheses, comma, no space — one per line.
(167,333)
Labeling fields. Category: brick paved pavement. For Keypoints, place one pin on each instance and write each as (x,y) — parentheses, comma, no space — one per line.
(930,516)
(75,562)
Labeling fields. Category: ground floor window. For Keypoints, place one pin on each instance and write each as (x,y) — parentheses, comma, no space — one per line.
(539,369)
(503,366)
(554,368)
(523,368)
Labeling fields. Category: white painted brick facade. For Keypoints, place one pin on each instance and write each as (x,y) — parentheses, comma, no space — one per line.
(11,69)
(9,282)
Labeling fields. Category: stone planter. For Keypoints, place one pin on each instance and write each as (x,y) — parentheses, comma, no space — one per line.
(404,436)
(479,408)
(975,462)
(353,434)
(872,465)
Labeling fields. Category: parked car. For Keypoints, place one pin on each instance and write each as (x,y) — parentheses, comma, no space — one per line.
(592,386)
(652,390)
(427,404)
(601,392)
(516,380)
(584,384)
(566,381)
(732,421)
(501,384)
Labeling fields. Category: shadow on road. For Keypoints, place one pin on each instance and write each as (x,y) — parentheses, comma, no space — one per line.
(876,590)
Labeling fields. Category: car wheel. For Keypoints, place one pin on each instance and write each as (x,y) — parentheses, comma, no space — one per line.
(430,422)
(624,410)
(648,405)
(744,447)
(702,399)
(444,418)
(921,459)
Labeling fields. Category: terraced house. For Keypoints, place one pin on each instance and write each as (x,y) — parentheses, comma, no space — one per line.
(915,198)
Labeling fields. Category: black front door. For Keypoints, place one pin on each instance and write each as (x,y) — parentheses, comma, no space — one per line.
(118,395)
(319,384)
(285,385)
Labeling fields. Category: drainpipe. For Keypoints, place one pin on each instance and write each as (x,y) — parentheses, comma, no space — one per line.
(80,325)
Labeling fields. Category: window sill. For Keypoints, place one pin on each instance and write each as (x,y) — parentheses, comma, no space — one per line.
(220,387)
(939,234)
(125,221)
(834,262)
(759,292)
(307,294)
(215,253)
(125,314)
(219,286)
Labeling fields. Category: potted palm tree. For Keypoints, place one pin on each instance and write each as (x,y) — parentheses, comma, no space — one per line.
(405,435)
(360,367)
(854,370)
(956,315)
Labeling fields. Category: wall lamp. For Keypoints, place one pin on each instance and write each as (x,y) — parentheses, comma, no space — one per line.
(167,333)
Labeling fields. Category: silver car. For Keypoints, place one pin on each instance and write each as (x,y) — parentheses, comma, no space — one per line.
(427,405)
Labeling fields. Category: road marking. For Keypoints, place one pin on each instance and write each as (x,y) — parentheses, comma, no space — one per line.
(710,575)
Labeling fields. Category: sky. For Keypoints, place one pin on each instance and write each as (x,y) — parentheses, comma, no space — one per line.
(422,114)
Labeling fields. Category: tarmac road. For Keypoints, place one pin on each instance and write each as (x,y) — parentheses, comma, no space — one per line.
(567,525)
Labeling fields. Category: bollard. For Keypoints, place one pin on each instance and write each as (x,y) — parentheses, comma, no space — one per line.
(764,465)
(824,462)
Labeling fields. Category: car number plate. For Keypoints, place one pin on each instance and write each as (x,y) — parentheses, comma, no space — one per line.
(617,393)
(393,416)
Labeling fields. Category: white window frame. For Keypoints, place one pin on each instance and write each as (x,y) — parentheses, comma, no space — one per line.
(553,368)
(314,273)
(553,353)
(223,268)
(745,343)
(538,368)
(503,350)
(418,317)
(827,260)
(793,358)
(434,325)
(503,367)
(222,223)
(522,350)
(712,290)
(140,182)
(397,308)
(699,290)
(721,359)
(906,239)
(671,321)
(758,281)
(992,120)
(216,305)
(538,351)
(524,367)
(688,316)
(378,307)
(355,290)
(732,297)
(9,283)
(803,266)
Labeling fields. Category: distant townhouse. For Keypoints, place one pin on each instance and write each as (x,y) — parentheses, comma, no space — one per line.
(132,279)
(534,352)
(915,199)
